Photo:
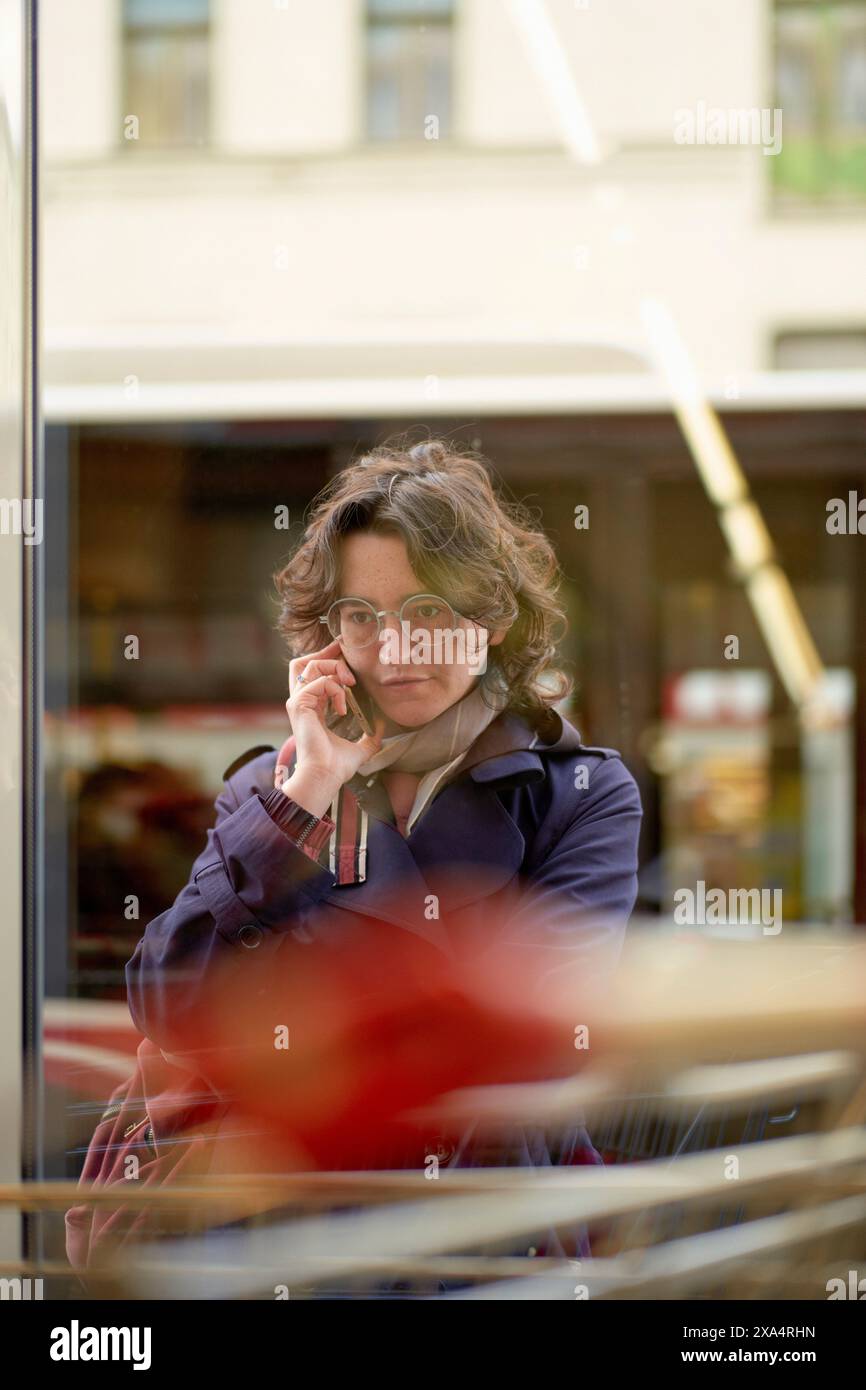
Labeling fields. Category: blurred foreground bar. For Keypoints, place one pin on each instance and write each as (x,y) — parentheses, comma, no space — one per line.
(694,1033)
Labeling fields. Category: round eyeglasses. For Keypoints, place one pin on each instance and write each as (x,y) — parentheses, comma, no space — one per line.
(356,623)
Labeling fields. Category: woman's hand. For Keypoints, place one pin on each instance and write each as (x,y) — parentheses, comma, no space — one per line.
(324,760)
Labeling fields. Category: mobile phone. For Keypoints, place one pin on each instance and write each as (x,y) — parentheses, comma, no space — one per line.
(357,711)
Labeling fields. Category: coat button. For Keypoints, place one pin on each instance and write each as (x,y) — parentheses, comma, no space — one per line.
(439,1149)
(250,936)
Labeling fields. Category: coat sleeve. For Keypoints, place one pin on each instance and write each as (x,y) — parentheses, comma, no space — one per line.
(245,891)
(578,897)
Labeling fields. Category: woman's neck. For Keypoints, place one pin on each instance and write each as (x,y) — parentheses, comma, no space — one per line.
(391,728)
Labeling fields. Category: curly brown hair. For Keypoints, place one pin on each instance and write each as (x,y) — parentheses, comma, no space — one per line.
(484,554)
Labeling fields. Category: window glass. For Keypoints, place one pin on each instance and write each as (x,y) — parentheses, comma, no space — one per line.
(408,71)
(166,72)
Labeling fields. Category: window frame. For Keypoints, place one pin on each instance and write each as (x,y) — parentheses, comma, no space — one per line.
(180,148)
(406,17)
(834,194)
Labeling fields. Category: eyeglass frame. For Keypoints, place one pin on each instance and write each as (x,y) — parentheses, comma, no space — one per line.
(380,613)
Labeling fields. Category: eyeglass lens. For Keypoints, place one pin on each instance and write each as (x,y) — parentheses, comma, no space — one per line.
(356,623)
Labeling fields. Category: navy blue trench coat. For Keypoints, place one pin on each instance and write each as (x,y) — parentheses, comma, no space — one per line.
(535,830)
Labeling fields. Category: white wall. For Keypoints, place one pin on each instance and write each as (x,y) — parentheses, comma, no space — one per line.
(634,63)
(286,79)
(80,77)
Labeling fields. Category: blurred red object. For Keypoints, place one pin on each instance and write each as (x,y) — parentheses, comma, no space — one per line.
(332,1046)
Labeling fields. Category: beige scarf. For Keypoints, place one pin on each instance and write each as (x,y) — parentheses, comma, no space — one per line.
(431,753)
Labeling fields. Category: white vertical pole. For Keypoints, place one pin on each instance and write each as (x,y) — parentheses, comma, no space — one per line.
(16,446)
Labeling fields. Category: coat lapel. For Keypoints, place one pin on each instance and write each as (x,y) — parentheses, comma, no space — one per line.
(416,882)
(466,846)
(395,890)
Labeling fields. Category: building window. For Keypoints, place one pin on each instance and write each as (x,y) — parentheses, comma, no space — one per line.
(409,56)
(820,56)
(166,70)
(825,349)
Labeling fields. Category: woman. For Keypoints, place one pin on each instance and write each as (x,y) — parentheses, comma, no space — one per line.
(471,805)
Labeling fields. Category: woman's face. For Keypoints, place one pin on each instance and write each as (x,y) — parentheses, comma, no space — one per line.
(377,568)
